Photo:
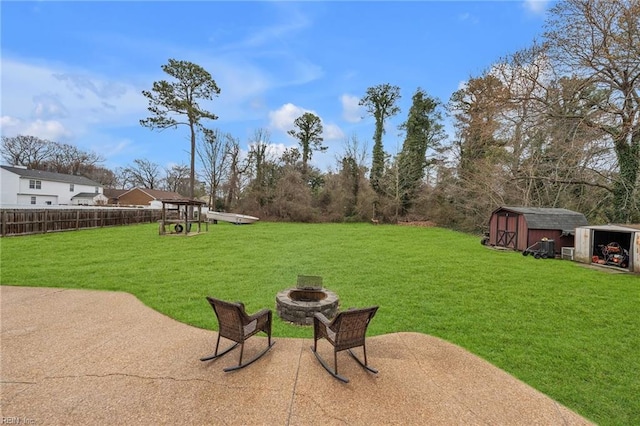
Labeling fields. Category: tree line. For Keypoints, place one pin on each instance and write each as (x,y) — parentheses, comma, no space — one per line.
(554,125)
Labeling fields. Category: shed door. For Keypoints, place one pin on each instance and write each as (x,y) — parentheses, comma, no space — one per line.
(507,230)
(582,241)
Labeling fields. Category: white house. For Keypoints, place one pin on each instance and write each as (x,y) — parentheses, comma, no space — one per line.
(21,186)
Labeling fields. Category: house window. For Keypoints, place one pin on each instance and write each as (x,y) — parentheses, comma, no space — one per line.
(35,184)
(71,187)
(33,200)
(97,190)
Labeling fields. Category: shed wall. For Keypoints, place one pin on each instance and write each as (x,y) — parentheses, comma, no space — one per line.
(635,256)
(560,241)
(522,236)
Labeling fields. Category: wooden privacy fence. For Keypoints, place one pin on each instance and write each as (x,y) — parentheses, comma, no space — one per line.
(40,221)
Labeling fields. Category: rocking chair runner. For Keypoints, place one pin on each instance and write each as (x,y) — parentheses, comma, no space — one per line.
(236,325)
(346,331)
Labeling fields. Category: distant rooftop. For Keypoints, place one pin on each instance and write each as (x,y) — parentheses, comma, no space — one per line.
(51,176)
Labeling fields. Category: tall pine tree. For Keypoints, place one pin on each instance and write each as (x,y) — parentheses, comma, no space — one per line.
(380,102)
(423,131)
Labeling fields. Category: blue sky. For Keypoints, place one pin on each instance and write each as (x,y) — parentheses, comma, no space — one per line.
(73,71)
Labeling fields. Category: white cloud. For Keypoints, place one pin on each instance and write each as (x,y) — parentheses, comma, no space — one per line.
(304,71)
(6,121)
(109,146)
(267,43)
(536,6)
(467,17)
(48,106)
(332,132)
(52,130)
(291,22)
(351,110)
(282,119)
(238,79)
(53,99)
(275,150)
(80,83)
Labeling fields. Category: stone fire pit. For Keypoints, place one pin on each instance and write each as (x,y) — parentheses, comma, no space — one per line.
(299,304)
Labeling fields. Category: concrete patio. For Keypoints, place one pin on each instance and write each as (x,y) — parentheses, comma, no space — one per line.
(93,357)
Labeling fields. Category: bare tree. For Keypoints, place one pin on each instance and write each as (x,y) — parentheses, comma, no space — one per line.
(42,154)
(102,175)
(177,179)
(122,179)
(143,173)
(262,162)
(259,156)
(599,41)
(352,170)
(355,149)
(292,199)
(236,170)
(213,149)
(24,150)
(69,159)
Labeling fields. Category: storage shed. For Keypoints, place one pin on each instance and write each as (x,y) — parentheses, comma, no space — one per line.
(610,245)
(521,227)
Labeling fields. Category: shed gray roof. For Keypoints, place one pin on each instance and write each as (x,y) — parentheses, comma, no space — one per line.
(626,227)
(550,218)
(51,176)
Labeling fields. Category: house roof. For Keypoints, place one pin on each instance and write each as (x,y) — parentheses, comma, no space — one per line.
(85,195)
(51,176)
(113,193)
(550,218)
(156,194)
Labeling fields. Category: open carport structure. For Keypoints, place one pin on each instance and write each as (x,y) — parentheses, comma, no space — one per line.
(610,245)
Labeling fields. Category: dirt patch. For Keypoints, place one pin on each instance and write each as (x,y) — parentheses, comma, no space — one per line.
(424,223)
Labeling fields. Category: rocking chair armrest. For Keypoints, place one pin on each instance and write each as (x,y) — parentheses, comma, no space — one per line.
(261,313)
(319,316)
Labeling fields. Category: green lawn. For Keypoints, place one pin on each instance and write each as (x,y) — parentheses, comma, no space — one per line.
(570,331)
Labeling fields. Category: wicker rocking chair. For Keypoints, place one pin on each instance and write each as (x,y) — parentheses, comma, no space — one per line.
(346,331)
(236,325)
